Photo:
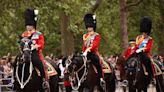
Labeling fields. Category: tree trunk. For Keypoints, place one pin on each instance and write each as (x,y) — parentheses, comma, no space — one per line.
(67,40)
(161,28)
(123,24)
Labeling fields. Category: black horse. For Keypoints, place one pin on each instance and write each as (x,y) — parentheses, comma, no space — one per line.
(83,77)
(136,73)
(26,77)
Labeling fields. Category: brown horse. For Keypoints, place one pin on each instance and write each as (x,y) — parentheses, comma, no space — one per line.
(84,78)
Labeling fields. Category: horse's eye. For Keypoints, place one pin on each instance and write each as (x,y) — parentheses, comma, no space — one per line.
(21,43)
(30,42)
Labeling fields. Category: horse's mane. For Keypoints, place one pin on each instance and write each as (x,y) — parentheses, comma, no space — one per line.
(120,60)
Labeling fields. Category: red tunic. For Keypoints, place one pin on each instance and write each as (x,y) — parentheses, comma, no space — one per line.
(91,41)
(129,51)
(145,43)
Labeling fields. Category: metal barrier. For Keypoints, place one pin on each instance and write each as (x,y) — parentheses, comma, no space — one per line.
(8,86)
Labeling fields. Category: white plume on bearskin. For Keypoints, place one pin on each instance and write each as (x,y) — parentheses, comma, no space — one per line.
(30,16)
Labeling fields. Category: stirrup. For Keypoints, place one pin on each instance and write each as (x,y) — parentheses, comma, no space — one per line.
(125,83)
(153,81)
(45,85)
(102,82)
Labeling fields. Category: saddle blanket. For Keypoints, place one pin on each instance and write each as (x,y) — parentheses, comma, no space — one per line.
(50,69)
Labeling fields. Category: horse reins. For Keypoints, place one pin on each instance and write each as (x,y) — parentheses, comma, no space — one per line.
(79,80)
(21,82)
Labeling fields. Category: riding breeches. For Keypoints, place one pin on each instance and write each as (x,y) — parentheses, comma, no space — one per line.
(96,61)
(36,61)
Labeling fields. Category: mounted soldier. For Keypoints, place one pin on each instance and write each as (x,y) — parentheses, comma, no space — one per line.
(130,50)
(37,40)
(90,44)
(144,44)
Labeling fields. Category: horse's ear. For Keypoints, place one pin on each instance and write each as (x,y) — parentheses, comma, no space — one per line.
(20,36)
(70,57)
(30,36)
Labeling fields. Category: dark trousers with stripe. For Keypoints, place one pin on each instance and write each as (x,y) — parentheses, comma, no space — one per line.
(36,61)
(96,61)
(147,62)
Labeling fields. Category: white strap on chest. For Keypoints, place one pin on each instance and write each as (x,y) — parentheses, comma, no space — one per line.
(92,37)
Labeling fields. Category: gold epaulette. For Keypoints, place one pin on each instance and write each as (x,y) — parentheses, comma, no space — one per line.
(86,38)
(139,39)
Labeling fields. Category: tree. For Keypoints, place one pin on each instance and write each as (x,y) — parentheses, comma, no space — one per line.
(67,41)
(123,21)
(161,28)
(123,25)
(57,18)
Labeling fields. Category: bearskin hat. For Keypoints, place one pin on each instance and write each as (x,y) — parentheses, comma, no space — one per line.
(145,24)
(30,17)
(132,41)
(90,21)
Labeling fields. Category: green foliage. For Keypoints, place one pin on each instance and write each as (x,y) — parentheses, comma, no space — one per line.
(108,23)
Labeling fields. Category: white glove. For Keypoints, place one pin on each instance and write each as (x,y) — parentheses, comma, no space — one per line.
(139,50)
(86,51)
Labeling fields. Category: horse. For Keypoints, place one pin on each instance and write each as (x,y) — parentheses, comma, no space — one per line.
(83,77)
(134,72)
(159,75)
(120,63)
(26,76)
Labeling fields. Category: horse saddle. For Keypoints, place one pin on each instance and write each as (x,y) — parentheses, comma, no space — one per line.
(50,69)
(157,69)
(106,68)
(155,66)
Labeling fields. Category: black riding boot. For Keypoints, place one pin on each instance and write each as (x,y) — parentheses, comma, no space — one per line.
(147,62)
(95,60)
(38,64)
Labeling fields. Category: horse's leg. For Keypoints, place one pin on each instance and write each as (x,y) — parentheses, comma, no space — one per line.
(159,83)
(110,82)
(53,82)
(100,89)
(132,88)
(68,89)
(144,90)
(124,88)
(81,89)
(92,89)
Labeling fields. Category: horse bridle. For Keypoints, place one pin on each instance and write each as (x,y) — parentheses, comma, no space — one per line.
(21,82)
(137,60)
(79,80)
